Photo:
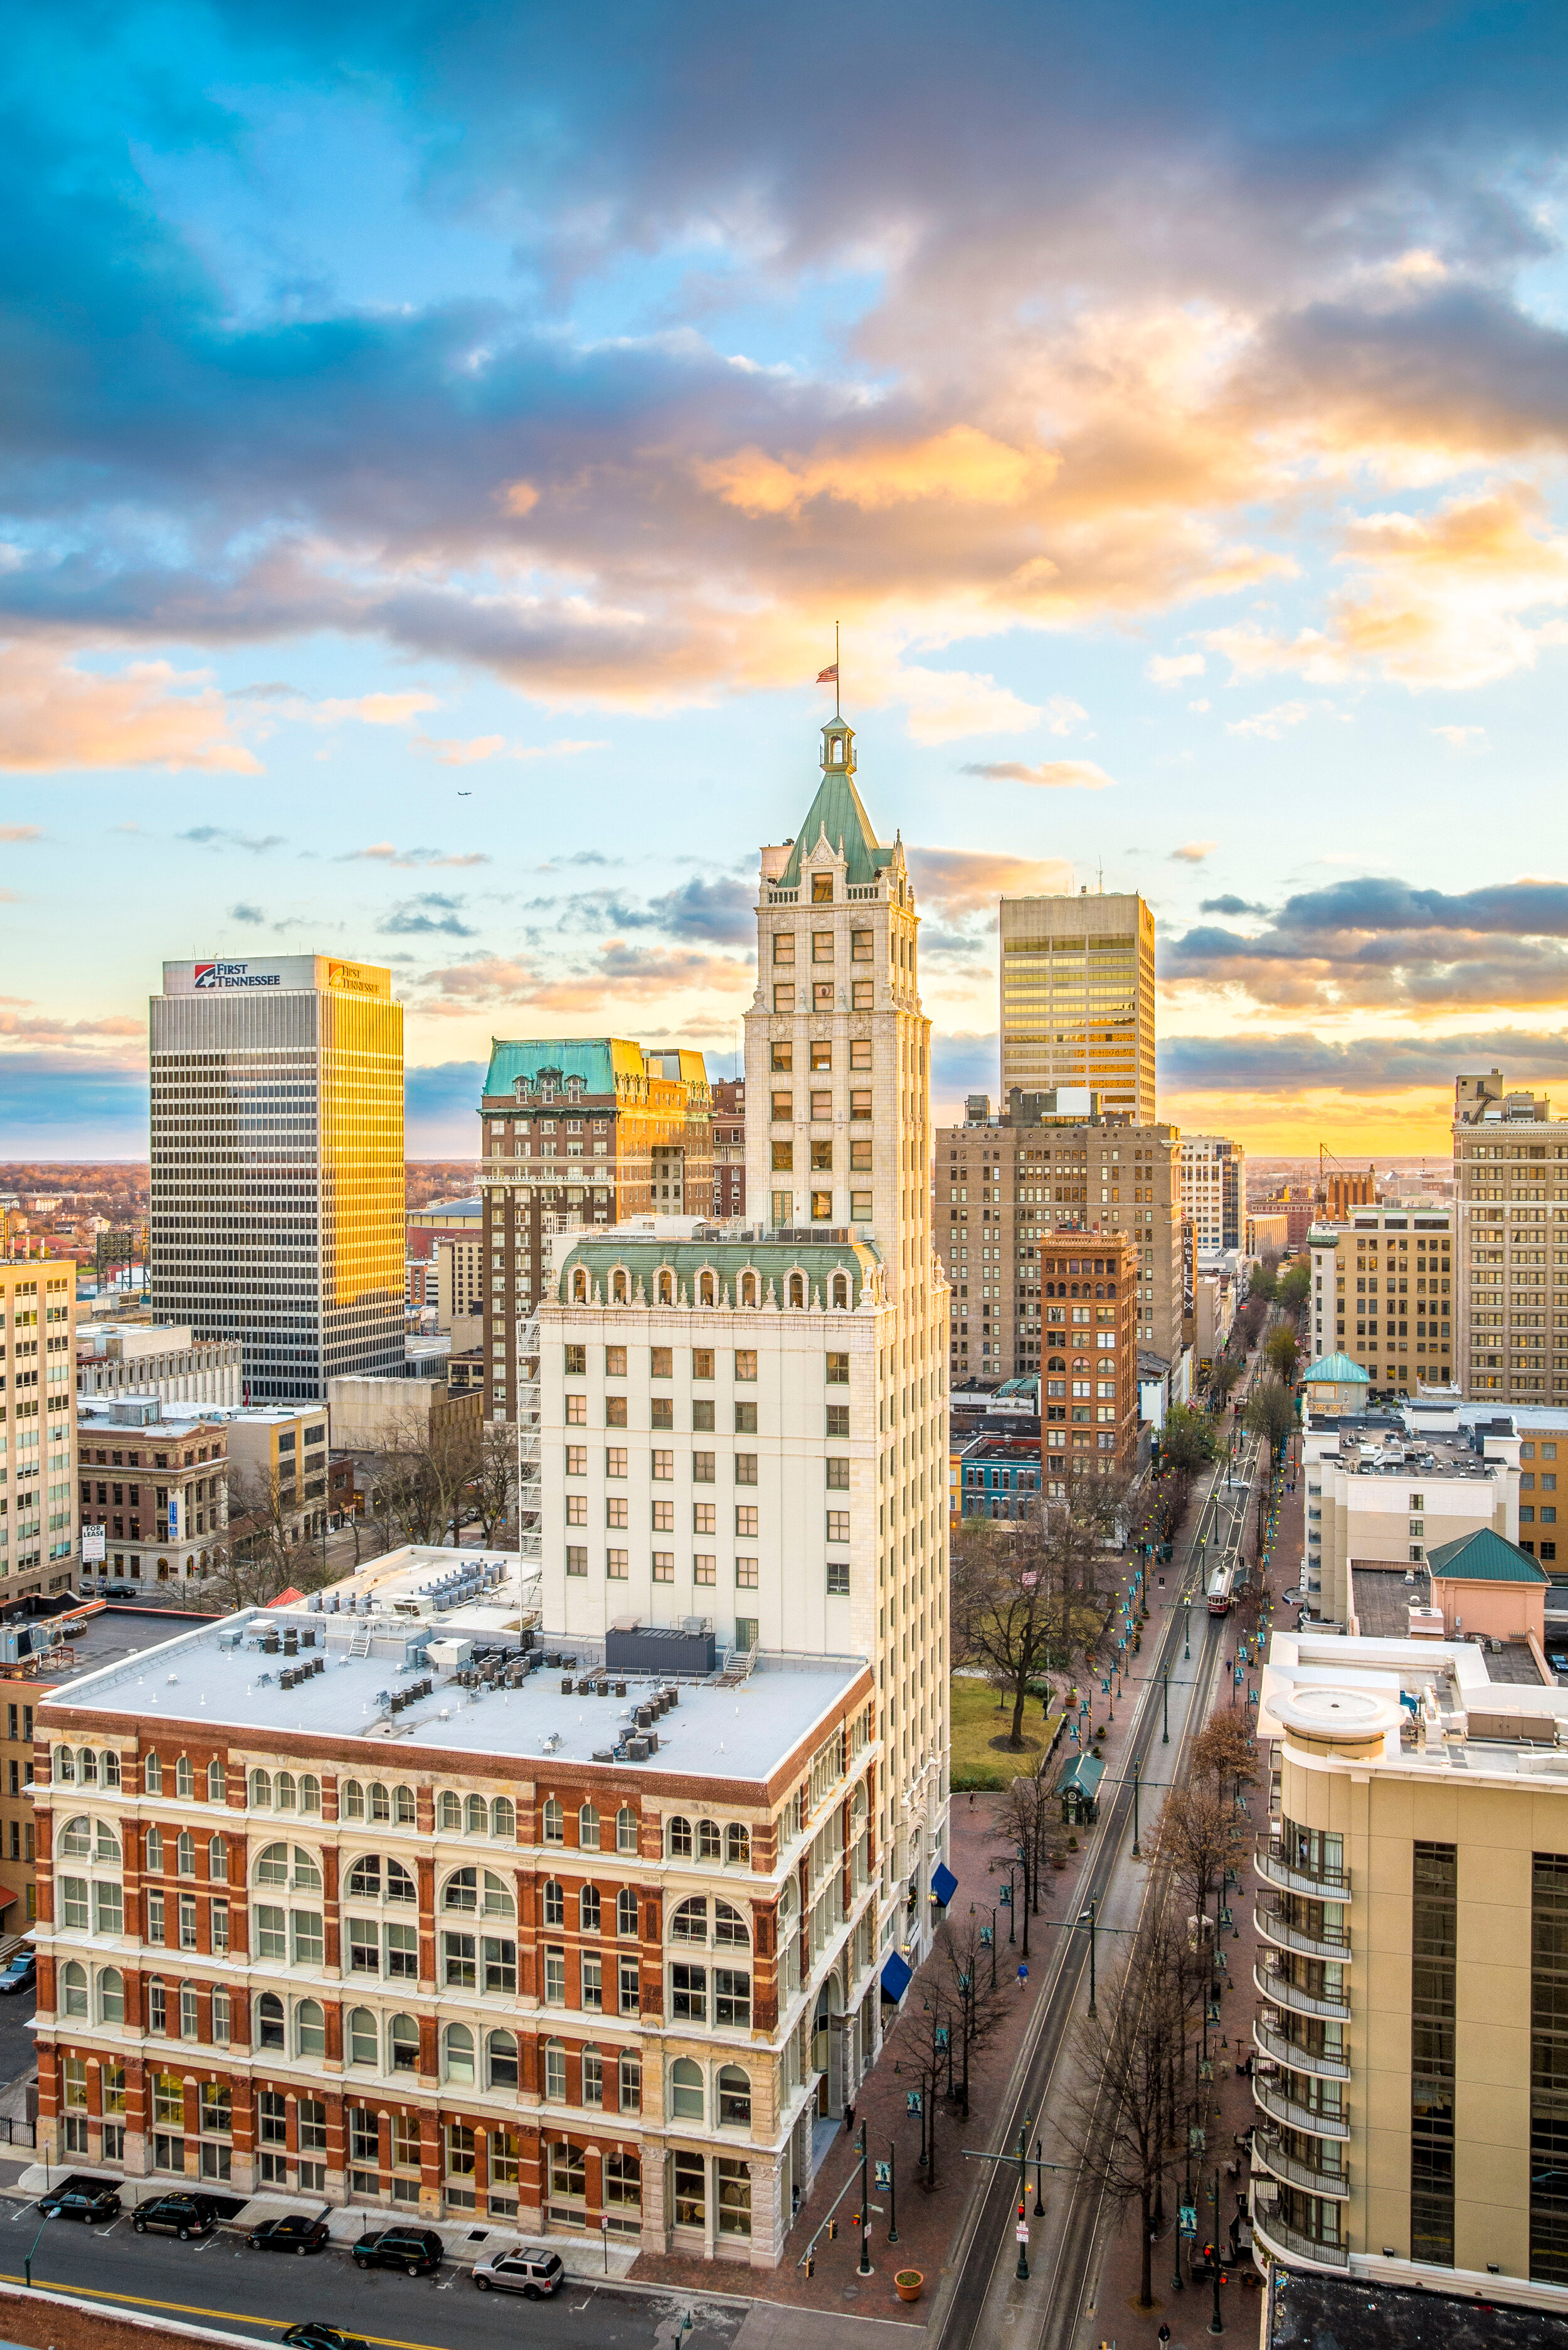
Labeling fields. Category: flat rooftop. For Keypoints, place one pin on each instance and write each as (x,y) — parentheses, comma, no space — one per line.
(109,1637)
(1374,1455)
(1311,2311)
(220,1673)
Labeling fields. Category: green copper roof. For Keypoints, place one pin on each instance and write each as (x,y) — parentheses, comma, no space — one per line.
(643,1260)
(1333,1370)
(838,812)
(598,1060)
(1484,1557)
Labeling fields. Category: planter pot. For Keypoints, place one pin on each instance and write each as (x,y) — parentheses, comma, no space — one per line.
(908,2284)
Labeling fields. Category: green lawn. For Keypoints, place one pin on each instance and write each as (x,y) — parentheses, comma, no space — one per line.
(977,1719)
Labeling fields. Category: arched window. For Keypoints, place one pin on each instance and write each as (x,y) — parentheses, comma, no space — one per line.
(63,1771)
(184,1778)
(476,1816)
(379,1802)
(797,1289)
(555,1902)
(579,1287)
(284,1794)
(106,1844)
(689,1923)
(686,2090)
(309,1792)
(310,2028)
(705,1289)
(738,1845)
(261,1790)
(218,1860)
(73,1989)
(216,1788)
(362,2038)
(152,1774)
(478,1890)
(734,2089)
(111,1768)
(747,1289)
(677,1838)
(155,1852)
(730,1926)
(625,1911)
(554,1822)
(459,2052)
(588,1828)
(625,1837)
(350,1800)
(841,1291)
(503,1819)
(111,1995)
(365,1879)
(451,1812)
(185,1854)
(588,1909)
(272,1868)
(269,2021)
(75,1838)
(501,2061)
(405,1811)
(403,2038)
(709,1844)
(667,1289)
(618,1287)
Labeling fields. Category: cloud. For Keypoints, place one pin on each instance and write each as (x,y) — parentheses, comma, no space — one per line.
(55,716)
(218,836)
(244,913)
(1053,774)
(489,981)
(724,911)
(1299,1061)
(16,833)
(947,704)
(374,709)
(453,753)
(1271,723)
(961,882)
(403,861)
(430,915)
(1231,906)
(1193,852)
(1463,738)
(1169,669)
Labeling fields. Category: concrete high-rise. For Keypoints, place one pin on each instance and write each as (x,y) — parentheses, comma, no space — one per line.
(1510,1254)
(1214,1191)
(1077,998)
(278,1166)
(37,1466)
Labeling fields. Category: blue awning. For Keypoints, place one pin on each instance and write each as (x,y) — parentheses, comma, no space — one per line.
(944,1884)
(896,1976)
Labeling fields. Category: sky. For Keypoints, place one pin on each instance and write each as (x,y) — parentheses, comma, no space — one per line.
(437,448)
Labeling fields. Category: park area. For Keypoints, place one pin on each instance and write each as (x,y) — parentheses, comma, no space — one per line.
(981,1718)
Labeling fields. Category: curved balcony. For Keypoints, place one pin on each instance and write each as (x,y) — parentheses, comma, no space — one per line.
(1334,2184)
(1273,1929)
(1283,2243)
(1273,2100)
(1274,1869)
(1299,2060)
(1280,1991)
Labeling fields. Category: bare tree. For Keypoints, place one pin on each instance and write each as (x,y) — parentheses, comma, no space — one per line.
(967,1962)
(1224,1753)
(1271,1414)
(1032,1596)
(925,2045)
(1195,1840)
(494,1482)
(1027,1822)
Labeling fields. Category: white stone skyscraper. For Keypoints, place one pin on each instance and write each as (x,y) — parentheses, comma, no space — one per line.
(278,1166)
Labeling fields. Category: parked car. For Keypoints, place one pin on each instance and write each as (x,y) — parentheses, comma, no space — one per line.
(20,1971)
(180,2215)
(314,2336)
(528,2269)
(420,2250)
(294,2234)
(81,2200)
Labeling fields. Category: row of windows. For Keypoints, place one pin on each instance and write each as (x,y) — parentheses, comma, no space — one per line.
(862,944)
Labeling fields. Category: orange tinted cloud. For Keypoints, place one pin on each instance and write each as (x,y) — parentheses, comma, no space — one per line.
(55,716)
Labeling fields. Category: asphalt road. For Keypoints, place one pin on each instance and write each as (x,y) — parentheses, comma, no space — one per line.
(224,2284)
(16,2037)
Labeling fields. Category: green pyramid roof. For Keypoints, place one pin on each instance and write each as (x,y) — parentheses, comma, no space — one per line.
(836,811)
(1335,1371)
(1485,1557)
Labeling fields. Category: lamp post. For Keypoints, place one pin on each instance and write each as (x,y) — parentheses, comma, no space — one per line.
(1216,2323)
(864,2268)
(1137,1850)
(988,1935)
(1187,1636)
(1087,1917)
(1165,1707)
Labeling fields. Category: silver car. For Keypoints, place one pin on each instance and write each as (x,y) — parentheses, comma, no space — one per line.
(528,2269)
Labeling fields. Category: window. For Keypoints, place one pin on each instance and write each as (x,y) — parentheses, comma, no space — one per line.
(589,1908)
(72,1903)
(112,1996)
(501,2060)
(185,1854)
(735,2098)
(731,1997)
(216,1789)
(310,2028)
(217,1860)
(555,1824)
(734,2194)
(745,1363)
(556,2072)
(689,1993)
(686,2090)
(459,2052)
(269,2019)
(73,1988)
(362,2039)
(838,1578)
(593,2077)
(738,1845)
(746,1522)
(184,1778)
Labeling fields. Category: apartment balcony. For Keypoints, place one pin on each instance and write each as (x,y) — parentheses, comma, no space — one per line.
(1273,2043)
(1283,2243)
(1274,1869)
(1280,1991)
(1271,2099)
(1273,1929)
(1334,2184)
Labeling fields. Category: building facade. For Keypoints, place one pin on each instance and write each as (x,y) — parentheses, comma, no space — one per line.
(278,1166)
(486,1974)
(1002,1190)
(157,1484)
(120,1358)
(584,1132)
(1510,1213)
(38,1422)
(1385,1292)
(1214,1191)
(729,1150)
(1077,997)
(1377,1497)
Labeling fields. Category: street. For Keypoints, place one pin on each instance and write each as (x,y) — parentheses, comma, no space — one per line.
(223,2283)
(16,2038)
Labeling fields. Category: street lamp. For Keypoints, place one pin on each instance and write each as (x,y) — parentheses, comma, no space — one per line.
(987,1938)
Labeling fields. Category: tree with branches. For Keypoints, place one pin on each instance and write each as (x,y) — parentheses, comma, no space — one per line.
(1027,1825)
(1223,1377)
(966,1963)
(1271,1414)
(1031,1595)
(1195,1840)
(1224,1752)
(1282,1352)
(1188,1441)
(1295,1286)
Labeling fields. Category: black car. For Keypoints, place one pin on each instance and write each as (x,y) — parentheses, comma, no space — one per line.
(420,2250)
(314,2336)
(85,2201)
(182,2215)
(20,1971)
(294,2234)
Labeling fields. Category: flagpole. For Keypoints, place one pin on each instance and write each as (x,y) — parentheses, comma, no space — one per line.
(836,709)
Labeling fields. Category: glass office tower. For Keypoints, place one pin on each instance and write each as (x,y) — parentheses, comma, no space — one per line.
(278,1166)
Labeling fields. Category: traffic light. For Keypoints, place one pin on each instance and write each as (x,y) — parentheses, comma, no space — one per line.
(832,2229)
(811,2264)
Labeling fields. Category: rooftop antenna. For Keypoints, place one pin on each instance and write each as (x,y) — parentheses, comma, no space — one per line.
(1102,885)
